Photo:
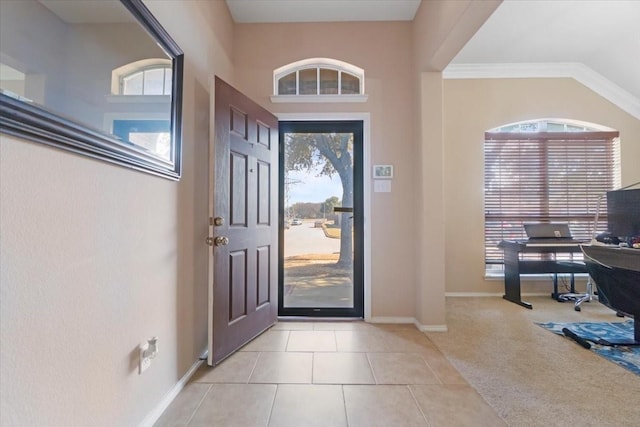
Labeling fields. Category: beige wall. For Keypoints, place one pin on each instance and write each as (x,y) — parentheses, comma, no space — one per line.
(473,106)
(430,215)
(96,258)
(440,29)
(383,50)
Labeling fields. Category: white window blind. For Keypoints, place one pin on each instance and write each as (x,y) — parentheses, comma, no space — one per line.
(546,177)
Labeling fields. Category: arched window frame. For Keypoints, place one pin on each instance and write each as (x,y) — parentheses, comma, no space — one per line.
(119,74)
(550,125)
(319,64)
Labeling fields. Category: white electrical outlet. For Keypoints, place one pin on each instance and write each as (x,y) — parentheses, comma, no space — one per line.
(145,361)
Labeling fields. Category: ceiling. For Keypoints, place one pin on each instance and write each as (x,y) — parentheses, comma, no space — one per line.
(601,35)
(88,12)
(255,11)
(597,42)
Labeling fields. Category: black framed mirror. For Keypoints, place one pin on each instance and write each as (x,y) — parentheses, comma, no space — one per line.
(102,79)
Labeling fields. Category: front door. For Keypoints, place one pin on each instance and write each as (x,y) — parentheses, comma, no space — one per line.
(245,223)
(321,205)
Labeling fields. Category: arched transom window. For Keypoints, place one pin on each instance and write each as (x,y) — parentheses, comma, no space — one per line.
(320,78)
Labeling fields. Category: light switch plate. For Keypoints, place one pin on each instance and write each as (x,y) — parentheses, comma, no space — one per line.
(382,186)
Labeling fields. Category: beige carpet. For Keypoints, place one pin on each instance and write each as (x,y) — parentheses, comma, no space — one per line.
(531,376)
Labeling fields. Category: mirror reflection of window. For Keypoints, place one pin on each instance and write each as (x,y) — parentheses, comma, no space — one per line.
(94,77)
(151,135)
(158,143)
(150,81)
(12,81)
(69,70)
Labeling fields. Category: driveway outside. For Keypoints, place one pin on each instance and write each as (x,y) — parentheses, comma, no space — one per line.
(311,278)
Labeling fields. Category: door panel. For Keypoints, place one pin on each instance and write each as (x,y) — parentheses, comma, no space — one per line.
(321,205)
(238,190)
(238,285)
(264,195)
(244,270)
(264,284)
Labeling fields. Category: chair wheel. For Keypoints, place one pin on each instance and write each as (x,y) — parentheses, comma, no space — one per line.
(577,308)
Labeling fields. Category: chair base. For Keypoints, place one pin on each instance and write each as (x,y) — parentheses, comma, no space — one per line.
(576,297)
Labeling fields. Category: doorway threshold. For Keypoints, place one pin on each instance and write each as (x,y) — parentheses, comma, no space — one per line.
(318,319)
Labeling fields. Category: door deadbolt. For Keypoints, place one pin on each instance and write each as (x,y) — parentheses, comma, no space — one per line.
(218,221)
(217,241)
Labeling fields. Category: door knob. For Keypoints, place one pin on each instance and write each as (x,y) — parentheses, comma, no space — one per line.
(221,241)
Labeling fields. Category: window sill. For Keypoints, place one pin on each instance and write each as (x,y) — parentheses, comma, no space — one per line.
(530,277)
(277,99)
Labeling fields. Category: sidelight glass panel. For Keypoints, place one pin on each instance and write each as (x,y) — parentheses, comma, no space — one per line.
(318,209)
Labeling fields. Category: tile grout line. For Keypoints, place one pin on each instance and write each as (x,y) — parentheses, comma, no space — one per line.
(197,408)
(433,371)
(286,345)
(273,404)
(344,401)
(373,373)
(254,367)
(415,400)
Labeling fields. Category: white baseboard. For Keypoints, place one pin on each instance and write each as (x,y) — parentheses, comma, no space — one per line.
(382,319)
(410,320)
(162,406)
(473,294)
(431,328)
(492,294)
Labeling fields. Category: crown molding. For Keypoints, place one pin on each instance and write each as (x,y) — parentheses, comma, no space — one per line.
(577,71)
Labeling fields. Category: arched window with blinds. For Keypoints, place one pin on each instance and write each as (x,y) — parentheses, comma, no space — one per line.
(546,171)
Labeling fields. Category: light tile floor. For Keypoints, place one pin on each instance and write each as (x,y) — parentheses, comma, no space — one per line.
(332,374)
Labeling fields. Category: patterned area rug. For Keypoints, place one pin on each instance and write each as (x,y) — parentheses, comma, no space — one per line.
(625,356)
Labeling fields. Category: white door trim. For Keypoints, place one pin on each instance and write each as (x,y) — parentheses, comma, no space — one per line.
(366,190)
(211,196)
